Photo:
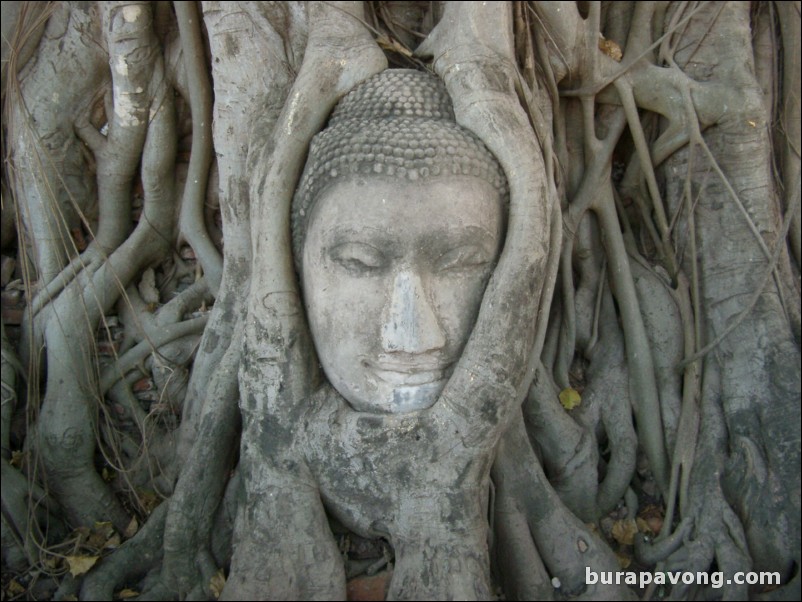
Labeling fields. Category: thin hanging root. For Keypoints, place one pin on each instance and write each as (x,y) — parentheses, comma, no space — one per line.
(696,138)
(636,130)
(689,300)
(638,349)
(192,223)
(594,336)
(651,553)
(30,25)
(567,343)
(688,428)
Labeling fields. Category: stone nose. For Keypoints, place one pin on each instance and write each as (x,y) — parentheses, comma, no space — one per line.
(410,323)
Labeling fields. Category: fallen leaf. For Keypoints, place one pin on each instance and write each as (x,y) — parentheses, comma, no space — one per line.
(654,524)
(81,564)
(624,531)
(132,528)
(127,593)
(570,398)
(14,588)
(216,583)
(148,500)
(143,384)
(113,542)
(100,535)
(17,457)
(611,49)
(650,519)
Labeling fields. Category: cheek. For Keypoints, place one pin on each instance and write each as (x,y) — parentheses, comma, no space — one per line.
(457,300)
(344,313)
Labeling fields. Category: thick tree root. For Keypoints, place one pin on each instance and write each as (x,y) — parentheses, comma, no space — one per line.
(566,546)
(134,558)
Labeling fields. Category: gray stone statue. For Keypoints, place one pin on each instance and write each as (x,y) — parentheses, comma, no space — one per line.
(398,222)
(398,225)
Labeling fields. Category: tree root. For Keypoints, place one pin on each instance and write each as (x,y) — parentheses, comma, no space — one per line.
(133,558)
(51,181)
(733,480)
(608,388)
(569,451)
(190,517)
(566,546)
(518,561)
(167,334)
(277,378)
(192,223)
(65,427)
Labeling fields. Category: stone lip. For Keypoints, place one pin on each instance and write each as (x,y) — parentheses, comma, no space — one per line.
(411,373)
(410,378)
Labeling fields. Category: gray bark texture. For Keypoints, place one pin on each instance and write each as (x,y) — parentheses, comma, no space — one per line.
(627,402)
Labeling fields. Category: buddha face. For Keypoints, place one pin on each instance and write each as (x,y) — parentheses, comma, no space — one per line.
(393,276)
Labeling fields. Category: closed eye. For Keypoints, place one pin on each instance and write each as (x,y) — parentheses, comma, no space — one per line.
(462,258)
(358,258)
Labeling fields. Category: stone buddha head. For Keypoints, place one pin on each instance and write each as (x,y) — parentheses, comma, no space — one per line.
(398,223)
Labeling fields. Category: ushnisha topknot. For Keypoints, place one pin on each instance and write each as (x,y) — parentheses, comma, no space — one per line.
(398,123)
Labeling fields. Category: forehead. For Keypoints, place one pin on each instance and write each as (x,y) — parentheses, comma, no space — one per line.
(407,210)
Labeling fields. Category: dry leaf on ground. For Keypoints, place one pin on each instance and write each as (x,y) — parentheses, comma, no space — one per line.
(81,564)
